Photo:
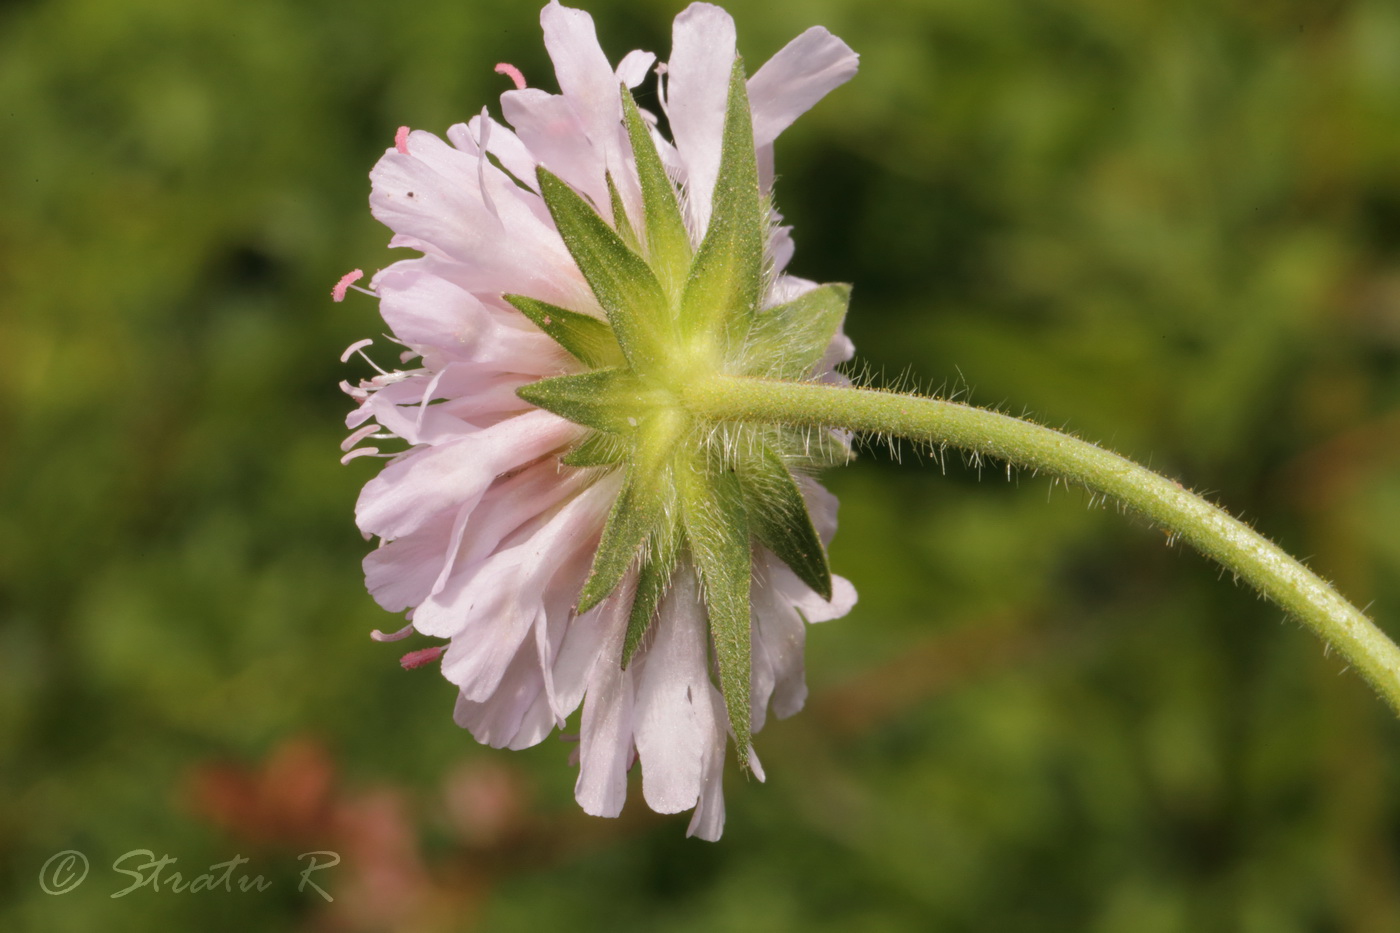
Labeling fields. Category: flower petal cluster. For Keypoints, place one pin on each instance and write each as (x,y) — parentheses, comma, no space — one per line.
(554,513)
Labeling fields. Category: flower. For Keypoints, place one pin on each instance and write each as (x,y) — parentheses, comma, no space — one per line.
(557,515)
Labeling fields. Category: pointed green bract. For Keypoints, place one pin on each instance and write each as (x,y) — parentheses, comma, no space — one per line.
(667,242)
(778,518)
(588,340)
(620,279)
(695,493)
(716,528)
(726,279)
(606,399)
(785,342)
(635,514)
(598,449)
(621,223)
(653,579)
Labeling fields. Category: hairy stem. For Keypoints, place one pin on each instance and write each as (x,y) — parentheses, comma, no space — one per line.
(1210,529)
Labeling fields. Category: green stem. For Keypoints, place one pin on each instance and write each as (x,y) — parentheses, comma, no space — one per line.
(1210,529)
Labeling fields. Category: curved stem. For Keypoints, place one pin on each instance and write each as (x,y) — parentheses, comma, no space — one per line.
(1210,529)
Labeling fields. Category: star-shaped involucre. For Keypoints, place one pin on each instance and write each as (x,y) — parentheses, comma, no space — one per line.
(558,515)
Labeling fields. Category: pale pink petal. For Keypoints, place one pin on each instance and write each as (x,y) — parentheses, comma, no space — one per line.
(840,350)
(502,143)
(510,504)
(633,68)
(496,722)
(477,658)
(410,491)
(431,199)
(557,701)
(564,682)
(815,609)
(780,250)
(708,820)
(418,424)
(558,137)
(779,635)
(821,505)
(475,397)
(400,574)
(427,311)
(427,196)
(586,79)
(536,725)
(675,720)
(582,646)
(489,609)
(606,729)
(802,73)
(702,57)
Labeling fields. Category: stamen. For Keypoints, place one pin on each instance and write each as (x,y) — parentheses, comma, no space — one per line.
(354,392)
(401,140)
(400,635)
(662,73)
(421,657)
(361,452)
(385,377)
(512,72)
(357,345)
(346,280)
(359,435)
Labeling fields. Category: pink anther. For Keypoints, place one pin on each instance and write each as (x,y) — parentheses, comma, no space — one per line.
(401,140)
(346,280)
(512,72)
(421,657)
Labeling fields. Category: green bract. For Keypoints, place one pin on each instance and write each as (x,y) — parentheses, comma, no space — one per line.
(696,493)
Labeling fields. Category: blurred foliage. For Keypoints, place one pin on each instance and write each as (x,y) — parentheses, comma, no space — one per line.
(1169,226)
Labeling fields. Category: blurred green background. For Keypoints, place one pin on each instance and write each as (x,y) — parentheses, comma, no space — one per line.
(1172,227)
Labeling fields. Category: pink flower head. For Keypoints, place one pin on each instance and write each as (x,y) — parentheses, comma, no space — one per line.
(573,550)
